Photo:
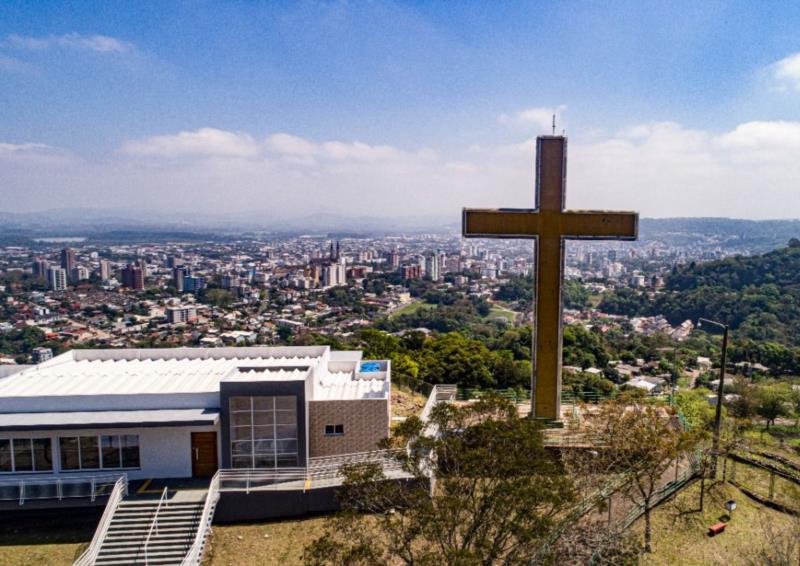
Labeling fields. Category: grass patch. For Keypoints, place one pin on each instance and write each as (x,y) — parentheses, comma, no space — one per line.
(498,312)
(680,529)
(411,308)
(406,403)
(45,541)
(263,544)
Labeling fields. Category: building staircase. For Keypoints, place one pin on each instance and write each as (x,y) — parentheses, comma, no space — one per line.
(149,532)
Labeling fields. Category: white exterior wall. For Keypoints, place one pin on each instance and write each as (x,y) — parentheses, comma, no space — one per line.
(75,403)
(164,452)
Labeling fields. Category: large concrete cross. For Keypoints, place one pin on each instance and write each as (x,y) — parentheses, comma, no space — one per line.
(549,224)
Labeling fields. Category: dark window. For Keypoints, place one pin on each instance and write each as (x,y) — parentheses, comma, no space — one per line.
(26,455)
(42,454)
(130,450)
(110,450)
(5,455)
(70,453)
(334,430)
(23,455)
(90,453)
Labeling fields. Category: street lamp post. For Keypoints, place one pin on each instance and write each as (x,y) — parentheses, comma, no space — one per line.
(718,415)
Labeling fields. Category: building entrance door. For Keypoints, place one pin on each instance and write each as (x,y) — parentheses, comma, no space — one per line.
(204,454)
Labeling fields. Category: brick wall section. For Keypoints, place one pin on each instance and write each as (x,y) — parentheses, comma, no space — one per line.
(366,422)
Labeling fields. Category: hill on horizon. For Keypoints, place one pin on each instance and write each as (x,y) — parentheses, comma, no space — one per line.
(757,296)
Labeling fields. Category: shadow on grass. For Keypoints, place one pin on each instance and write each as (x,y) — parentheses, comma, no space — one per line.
(47,528)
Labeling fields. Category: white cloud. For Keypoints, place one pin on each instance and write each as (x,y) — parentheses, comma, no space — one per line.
(539,117)
(780,138)
(658,168)
(287,144)
(96,43)
(786,72)
(18,148)
(202,142)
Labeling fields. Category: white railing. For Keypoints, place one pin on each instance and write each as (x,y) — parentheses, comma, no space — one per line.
(90,554)
(325,468)
(57,488)
(438,393)
(154,525)
(195,554)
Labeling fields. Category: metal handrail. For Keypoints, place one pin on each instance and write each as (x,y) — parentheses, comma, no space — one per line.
(22,489)
(154,525)
(88,557)
(322,468)
(195,554)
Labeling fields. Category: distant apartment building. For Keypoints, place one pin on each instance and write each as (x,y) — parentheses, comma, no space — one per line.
(41,355)
(193,284)
(174,262)
(229,281)
(57,278)
(181,314)
(334,275)
(432,268)
(133,277)
(39,268)
(178,275)
(411,272)
(105,269)
(67,259)
(79,273)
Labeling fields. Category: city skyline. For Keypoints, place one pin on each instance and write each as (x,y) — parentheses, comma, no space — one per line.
(390,109)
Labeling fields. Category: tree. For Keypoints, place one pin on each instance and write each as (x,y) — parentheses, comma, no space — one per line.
(378,344)
(219,297)
(453,358)
(497,494)
(780,545)
(772,401)
(641,442)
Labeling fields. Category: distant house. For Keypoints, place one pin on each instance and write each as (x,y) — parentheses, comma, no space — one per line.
(748,368)
(627,370)
(653,385)
(703,363)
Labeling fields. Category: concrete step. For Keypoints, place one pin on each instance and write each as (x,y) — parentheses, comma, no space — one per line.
(154,541)
(154,504)
(121,535)
(162,519)
(150,515)
(138,560)
(161,552)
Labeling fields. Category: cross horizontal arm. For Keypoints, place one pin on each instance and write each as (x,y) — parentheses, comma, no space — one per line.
(494,223)
(525,223)
(598,225)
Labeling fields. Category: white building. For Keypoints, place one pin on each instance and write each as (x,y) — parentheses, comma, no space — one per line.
(57,278)
(181,314)
(185,412)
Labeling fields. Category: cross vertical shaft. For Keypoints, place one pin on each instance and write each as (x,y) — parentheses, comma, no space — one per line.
(549,254)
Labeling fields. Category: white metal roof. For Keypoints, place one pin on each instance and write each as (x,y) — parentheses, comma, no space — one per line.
(343,385)
(175,371)
(143,372)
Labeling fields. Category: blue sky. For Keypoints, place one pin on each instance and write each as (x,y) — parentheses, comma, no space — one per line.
(672,108)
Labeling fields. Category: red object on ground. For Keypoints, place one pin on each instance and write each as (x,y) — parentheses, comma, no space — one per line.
(716,529)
